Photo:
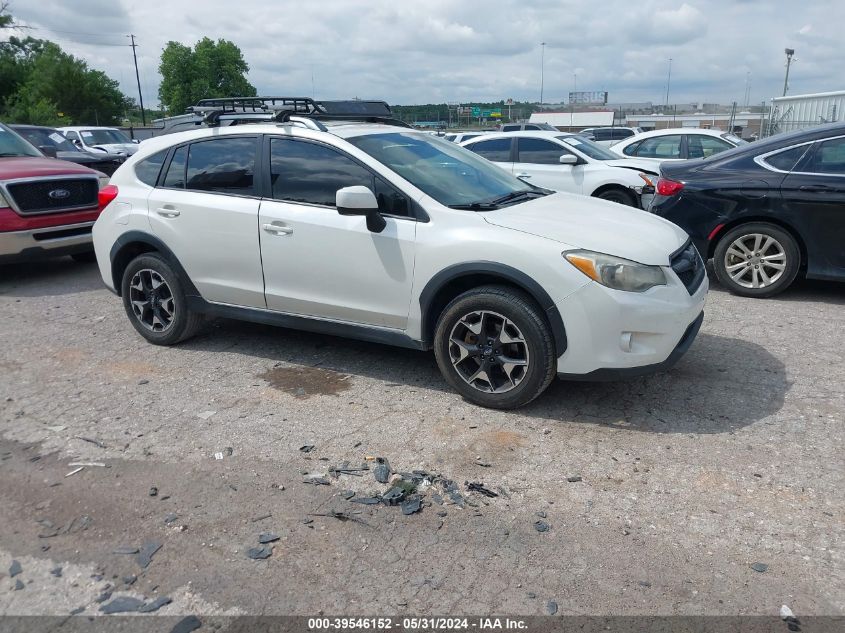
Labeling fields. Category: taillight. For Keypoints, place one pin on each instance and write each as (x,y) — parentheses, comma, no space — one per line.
(106,195)
(668,187)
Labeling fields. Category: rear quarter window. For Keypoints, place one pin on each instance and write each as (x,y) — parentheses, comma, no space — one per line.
(147,170)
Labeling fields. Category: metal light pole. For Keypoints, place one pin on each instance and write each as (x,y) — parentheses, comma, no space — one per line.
(789,53)
(668,81)
(138,79)
(747,89)
(542,63)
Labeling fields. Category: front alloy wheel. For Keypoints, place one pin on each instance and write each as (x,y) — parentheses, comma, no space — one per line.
(494,346)
(488,352)
(152,300)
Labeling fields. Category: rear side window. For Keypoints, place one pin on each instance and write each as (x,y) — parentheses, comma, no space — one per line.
(620,133)
(603,135)
(310,173)
(787,159)
(631,150)
(700,146)
(147,170)
(222,165)
(510,128)
(532,127)
(539,152)
(660,147)
(175,177)
(496,150)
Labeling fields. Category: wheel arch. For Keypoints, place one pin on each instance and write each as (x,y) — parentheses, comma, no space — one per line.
(716,237)
(452,281)
(134,243)
(614,186)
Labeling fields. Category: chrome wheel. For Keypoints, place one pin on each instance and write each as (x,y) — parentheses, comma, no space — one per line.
(488,352)
(151,300)
(755,260)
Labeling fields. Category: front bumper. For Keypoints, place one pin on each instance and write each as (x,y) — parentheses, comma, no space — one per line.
(45,242)
(611,333)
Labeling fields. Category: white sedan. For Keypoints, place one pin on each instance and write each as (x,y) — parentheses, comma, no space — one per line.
(676,144)
(566,162)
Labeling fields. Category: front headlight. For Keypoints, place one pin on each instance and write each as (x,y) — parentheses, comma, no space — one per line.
(615,272)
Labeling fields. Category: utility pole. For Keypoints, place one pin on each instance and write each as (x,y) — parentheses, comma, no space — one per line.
(668,81)
(542,63)
(789,53)
(138,79)
(747,89)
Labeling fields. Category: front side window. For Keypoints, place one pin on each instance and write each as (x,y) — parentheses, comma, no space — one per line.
(311,173)
(700,146)
(448,173)
(588,147)
(148,169)
(13,145)
(222,165)
(539,151)
(620,133)
(45,136)
(660,147)
(497,150)
(829,158)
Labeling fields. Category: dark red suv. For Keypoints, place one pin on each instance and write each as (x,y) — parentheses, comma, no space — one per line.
(47,206)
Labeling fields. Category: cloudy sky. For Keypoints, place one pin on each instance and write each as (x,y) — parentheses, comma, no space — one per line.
(443,50)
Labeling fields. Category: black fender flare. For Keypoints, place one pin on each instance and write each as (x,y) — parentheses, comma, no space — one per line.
(507,273)
(141,237)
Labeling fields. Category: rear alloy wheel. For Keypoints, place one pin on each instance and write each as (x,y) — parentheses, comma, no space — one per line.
(618,195)
(494,346)
(155,303)
(756,260)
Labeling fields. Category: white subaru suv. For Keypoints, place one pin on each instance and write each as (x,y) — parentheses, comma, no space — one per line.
(370,230)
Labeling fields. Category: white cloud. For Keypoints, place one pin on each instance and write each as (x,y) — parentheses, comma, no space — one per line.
(443,50)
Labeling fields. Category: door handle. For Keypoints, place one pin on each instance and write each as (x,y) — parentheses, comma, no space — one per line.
(277,229)
(523,175)
(817,188)
(168,212)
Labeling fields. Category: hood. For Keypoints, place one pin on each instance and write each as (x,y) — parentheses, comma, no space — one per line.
(637,164)
(116,148)
(33,167)
(596,225)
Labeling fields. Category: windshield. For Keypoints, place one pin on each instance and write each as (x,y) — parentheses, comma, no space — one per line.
(452,175)
(13,145)
(104,137)
(588,147)
(51,138)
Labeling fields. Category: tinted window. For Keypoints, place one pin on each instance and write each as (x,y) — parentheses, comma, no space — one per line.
(224,165)
(631,150)
(620,133)
(148,169)
(660,147)
(496,150)
(73,136)
(602,135)
(700,146)
(510,128)
(390,199)
(305,172)
(532,127)
(786,159)
(449,137)
(48,137)
(469,136)
(539,152)
(176,171)
(829,158)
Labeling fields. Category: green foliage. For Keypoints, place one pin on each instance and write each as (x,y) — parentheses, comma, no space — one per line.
(211,69)
(39,81)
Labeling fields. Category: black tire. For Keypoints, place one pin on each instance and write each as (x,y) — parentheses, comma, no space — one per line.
(727,254)
(87,257)
(183,322)
(618,195)
(521,317)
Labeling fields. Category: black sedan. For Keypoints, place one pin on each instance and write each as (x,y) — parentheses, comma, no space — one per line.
(52,143)
(764,212)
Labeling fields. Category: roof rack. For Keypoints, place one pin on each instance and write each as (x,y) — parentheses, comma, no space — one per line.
(289,109)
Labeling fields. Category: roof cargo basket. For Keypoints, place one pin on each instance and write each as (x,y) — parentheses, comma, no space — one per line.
(280,109)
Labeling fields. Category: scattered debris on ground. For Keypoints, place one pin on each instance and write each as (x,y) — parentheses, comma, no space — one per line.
(381,471)
(15,569)
(307,448)
(551,607)
(541,526)
(122,604)
(260,553)
(574,479)
(146,552)
(759,567)
(479,487)
(267,537)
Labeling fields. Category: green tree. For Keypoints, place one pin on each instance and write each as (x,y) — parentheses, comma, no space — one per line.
(211,69)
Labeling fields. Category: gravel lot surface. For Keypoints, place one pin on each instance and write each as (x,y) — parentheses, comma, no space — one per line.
(688,480)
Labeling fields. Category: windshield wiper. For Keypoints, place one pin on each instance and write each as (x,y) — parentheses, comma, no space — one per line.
(6,154)
(475,206)
(513,196)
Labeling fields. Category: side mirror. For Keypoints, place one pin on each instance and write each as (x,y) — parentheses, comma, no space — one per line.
(48,150)
(568,159)
(359,200)
(136,141)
